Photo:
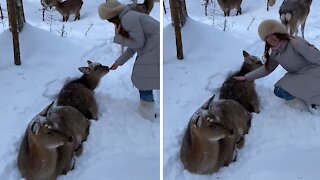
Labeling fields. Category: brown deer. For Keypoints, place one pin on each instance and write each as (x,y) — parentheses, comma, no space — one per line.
(270,3)
(228,5)
(74,123)
(243,91)
(294,13)
(47,4)
(38,154)
(79,93)
(145,7)
(213,133)
(68,7)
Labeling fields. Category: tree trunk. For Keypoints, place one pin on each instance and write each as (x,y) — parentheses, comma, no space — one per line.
(179,16)
(15,23)
(1,14)
(19,15)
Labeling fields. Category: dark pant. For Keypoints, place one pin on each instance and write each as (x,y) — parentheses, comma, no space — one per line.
(146,95)
(281,93)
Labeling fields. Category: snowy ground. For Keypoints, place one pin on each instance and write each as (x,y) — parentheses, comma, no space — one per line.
(121,145)
(283,143)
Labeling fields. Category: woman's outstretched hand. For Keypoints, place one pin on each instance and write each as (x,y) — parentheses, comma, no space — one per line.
(114,67)
(240,78)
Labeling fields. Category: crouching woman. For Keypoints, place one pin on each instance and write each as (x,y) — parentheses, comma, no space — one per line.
(300,86)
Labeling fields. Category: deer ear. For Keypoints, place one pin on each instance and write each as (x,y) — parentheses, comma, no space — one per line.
(89,62)
(207,103)
(245,53)
(35,127)
(84,70)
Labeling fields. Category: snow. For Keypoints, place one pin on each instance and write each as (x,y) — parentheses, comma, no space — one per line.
(283,143)
(121,145)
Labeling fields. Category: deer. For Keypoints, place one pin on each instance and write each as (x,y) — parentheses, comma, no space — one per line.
(270,3)
(243,91)
(213,133)
(68,7)
(79,93)
(47,4)
(74,123)
(228,5)
(38,155)
(146,7)
(294,13)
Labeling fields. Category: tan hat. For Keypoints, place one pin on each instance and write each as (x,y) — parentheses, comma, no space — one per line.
(110,9)
(269,27)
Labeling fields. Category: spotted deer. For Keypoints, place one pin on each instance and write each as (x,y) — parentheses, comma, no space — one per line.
(212,135)
(228,5)
(79,92)
(294,13)
(243,91)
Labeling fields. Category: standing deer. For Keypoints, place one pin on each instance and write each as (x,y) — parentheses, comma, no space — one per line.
(243,91)
(228,5)
(145,7)
(38,154)
(270,3)
(212,135)
(68,7)
(79,93)
(294,13)
(47,4)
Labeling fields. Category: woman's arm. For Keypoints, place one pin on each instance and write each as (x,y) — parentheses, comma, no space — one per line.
(126,55)
(307,50)
(261,71)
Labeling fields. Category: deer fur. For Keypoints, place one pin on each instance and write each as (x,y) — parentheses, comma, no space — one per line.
(270,3)
(79,93)
(74,123)
(38,154)
(243,91)
(294,13)
(228,5)
(47,4)
(145,7)
(212,135)
(68,7)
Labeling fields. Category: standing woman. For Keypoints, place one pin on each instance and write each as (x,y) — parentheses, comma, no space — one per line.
(140,33)
(300,86)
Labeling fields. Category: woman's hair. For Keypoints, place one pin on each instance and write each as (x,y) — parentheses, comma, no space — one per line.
(281,37)
(116,20)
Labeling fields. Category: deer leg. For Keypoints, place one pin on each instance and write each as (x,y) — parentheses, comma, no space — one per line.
(302,28)
(293,29)
(43,14)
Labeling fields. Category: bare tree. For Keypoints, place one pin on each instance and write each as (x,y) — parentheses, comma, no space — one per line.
(1,14)
(179,16)
(16,22)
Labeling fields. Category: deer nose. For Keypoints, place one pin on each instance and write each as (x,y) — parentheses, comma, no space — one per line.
(70,139)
